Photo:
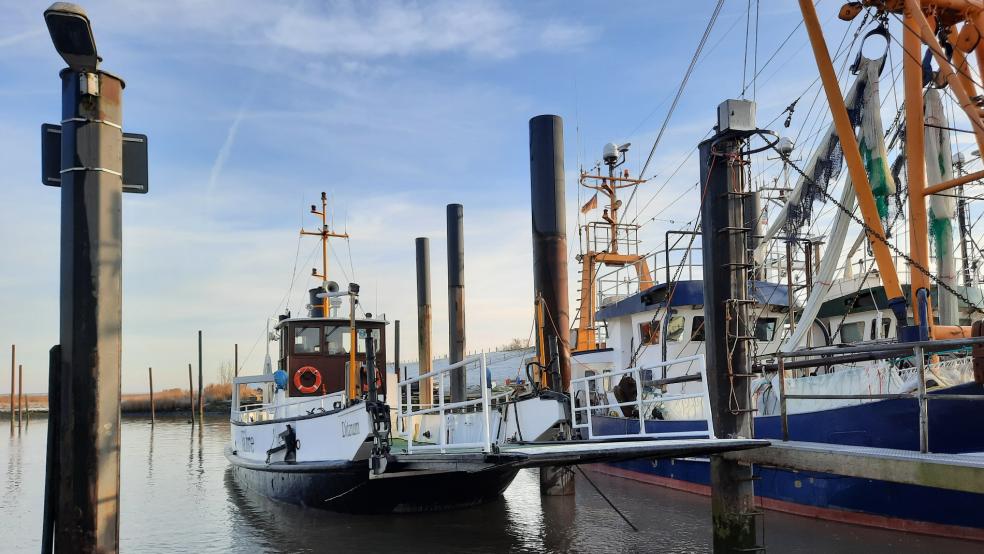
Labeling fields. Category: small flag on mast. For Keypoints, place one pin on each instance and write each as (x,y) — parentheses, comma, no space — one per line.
(590,205)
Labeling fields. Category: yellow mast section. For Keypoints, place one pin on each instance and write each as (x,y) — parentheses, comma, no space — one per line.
(325,233)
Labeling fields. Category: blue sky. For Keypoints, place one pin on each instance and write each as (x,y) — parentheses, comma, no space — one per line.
(395,108)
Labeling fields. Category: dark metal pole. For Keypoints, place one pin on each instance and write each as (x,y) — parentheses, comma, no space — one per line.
(456,299)
(235,360)
(425,361)
(726,271)
(550,266)
(550,234)
(201,386)
(51,477)
(90,310)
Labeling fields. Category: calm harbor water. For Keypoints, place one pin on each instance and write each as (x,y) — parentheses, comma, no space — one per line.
(178,496)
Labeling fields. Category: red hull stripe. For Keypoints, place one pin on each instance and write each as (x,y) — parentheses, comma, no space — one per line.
(829,514)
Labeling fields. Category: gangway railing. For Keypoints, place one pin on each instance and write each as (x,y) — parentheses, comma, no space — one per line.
(641,404)
(445,410)
(838,355)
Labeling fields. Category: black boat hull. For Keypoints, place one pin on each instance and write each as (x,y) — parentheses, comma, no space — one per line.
(346,486)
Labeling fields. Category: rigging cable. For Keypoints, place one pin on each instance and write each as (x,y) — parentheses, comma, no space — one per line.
(683,85)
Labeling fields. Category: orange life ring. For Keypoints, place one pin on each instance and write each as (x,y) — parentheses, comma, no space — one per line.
(303,371)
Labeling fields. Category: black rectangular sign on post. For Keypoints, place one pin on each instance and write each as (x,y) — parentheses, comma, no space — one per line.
(135,174)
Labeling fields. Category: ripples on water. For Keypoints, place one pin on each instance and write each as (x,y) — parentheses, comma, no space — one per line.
(178,496)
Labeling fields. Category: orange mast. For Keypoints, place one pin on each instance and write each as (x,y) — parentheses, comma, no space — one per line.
(609,242)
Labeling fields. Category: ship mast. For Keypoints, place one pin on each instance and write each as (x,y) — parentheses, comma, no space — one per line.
(961,22)
(325,233)
(608,242)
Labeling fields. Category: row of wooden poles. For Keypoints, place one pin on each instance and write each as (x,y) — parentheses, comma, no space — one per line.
(19,410)
(21,413)
(191,385)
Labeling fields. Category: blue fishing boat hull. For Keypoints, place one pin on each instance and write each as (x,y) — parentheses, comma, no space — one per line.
(954,427)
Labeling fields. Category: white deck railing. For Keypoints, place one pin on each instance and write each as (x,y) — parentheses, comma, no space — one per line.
(406,412)
(639,403)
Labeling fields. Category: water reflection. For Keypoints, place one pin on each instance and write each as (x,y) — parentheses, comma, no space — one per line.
(178,495)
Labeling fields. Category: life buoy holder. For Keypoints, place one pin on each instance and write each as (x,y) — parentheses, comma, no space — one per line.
(304,371)
(365,383)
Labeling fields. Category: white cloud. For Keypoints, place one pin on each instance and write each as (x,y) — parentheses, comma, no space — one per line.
(364,31)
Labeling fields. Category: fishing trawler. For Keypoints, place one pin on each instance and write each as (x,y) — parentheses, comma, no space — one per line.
(803,300)
(319,430)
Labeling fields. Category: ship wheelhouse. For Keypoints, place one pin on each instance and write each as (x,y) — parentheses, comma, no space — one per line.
(315,354)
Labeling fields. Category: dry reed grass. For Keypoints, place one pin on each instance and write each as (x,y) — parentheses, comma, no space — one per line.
(169,400)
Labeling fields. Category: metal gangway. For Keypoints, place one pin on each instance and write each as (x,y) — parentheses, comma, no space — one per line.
(448,412)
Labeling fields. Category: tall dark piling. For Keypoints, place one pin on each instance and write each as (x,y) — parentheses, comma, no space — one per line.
(425,361)
(550,263)
(235,360)
(201,382)
(90,310)
(726,268)
(51,472)
(456,299)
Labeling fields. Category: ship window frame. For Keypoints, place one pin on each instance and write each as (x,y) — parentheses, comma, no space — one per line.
(852,325)
(646,328)
(770,334)
(675,335)
(697,330)
(315,343)
(886,327)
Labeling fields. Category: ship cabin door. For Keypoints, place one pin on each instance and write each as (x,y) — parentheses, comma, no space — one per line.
(315,354)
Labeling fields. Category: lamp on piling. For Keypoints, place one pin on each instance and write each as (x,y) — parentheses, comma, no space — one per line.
(71,33)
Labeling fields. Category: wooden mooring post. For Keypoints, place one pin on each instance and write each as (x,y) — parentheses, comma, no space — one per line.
(201,386)
(424,354)
(150,376)
(191,396)
(20,395)
(13,364)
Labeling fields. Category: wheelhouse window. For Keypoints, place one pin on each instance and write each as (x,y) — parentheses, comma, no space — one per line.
(765,329)
(592,385)
(336,341)
(852,332)
(649,332)
(674,328)
(360,340)
(697,329)
(307,339)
